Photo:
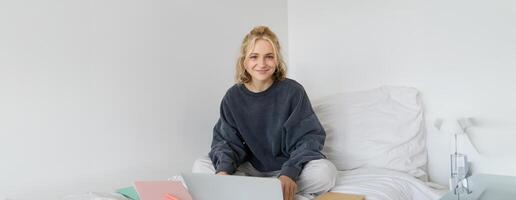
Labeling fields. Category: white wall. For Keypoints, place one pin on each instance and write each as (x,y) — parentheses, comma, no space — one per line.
(97,94)
(460,54)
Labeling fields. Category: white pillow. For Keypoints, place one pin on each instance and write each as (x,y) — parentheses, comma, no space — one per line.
(381,127)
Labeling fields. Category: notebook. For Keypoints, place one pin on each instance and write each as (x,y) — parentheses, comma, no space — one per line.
(129,193)
(159,190)
(340,196)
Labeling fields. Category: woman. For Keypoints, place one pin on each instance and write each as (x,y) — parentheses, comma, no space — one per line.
(267,127)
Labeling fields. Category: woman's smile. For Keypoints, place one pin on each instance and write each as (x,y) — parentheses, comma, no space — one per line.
(262,71)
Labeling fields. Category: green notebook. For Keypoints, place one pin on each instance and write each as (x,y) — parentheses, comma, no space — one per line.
(129,192)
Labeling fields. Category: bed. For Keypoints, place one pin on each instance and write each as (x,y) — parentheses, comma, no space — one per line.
(376,139)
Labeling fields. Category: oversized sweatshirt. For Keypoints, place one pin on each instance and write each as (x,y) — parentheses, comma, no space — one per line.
(276,129)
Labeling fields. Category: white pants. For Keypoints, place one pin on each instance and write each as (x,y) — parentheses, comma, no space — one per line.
(317,177)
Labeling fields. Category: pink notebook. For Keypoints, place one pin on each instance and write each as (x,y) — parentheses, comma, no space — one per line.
(158,190)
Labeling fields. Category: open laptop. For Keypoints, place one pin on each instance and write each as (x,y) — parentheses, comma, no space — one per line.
(216,187)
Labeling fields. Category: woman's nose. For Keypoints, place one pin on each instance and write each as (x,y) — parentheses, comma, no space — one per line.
(261,62)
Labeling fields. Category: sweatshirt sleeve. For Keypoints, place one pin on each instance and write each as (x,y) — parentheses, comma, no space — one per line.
(305,137)
(227,148)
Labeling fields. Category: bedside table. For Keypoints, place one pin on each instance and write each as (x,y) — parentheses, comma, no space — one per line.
(488,187)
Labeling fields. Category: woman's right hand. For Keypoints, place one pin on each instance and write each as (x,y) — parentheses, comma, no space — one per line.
(222,173)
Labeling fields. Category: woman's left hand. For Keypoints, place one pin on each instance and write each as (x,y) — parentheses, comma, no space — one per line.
(288,186)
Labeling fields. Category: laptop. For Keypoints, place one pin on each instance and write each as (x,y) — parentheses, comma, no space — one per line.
(216,187)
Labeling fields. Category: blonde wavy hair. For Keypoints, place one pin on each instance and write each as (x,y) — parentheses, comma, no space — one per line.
(257,33)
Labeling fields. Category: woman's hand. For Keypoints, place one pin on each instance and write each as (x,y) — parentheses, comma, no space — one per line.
(222,173)
(288,186)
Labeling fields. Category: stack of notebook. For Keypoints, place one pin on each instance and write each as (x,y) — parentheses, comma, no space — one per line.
(154,190)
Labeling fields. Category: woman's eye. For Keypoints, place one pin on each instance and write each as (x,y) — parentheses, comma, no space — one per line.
(270,57)
(253,57)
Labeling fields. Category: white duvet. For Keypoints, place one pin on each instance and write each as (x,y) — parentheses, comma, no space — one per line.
(374,183)
(383,184)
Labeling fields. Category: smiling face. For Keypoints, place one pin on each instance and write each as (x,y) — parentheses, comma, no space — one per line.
(260,58)
(261,61)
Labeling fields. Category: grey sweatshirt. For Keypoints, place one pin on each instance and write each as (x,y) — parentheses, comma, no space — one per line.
(276,129)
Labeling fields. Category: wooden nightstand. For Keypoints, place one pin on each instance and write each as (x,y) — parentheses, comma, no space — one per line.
(488,187)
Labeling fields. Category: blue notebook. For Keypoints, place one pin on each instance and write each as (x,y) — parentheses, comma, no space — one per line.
(129,192)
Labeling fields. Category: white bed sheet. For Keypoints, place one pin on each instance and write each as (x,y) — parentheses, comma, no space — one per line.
(383,184)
